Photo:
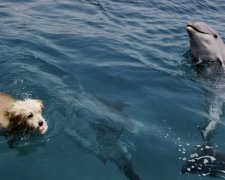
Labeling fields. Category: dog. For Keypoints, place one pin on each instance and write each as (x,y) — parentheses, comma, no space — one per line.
(21,115)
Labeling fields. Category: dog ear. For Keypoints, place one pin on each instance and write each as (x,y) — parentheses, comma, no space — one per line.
(7,113)
(15,120)
(10,114)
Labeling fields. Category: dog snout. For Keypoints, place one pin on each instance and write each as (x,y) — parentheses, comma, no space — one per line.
(40,123)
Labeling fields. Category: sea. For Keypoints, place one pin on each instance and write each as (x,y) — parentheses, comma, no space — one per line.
(123,98)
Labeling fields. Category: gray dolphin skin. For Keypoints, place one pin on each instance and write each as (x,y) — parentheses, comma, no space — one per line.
(98,127)
(206,44)
(207,47)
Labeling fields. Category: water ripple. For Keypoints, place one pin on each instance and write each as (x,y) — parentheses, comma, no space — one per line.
(68,53)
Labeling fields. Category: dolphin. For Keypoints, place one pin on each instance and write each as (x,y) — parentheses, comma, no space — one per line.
(206,44)
(97,126)
(208,49)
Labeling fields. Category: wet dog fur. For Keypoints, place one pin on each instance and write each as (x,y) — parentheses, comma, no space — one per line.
(21,115)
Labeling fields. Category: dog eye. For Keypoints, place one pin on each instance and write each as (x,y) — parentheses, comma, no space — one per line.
(30,115)
(215,36)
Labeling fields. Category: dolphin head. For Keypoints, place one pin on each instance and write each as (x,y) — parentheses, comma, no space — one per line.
(206,44)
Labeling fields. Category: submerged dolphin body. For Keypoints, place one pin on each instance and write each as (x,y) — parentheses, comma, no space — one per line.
(206,44)
(98,127)
(205,160)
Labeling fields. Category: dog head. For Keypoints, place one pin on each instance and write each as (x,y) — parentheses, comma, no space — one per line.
(27,115)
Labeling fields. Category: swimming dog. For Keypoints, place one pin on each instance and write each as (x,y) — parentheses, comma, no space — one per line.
(21,115)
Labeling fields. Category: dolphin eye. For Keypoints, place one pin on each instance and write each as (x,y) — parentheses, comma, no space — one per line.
(30,115)
(215,36)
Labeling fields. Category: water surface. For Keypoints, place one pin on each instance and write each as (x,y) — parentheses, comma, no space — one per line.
(86,60)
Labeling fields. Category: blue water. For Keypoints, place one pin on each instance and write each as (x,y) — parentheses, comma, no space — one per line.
(116,78)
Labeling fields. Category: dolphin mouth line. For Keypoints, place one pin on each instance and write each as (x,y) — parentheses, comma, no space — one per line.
(196,29)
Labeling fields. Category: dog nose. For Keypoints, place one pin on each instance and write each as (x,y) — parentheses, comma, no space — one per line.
(40,123)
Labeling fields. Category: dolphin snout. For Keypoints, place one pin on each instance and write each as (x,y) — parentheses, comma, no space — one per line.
(189,28)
